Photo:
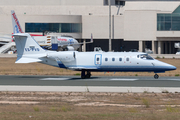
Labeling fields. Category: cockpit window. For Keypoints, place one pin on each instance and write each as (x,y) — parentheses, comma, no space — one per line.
(146,57)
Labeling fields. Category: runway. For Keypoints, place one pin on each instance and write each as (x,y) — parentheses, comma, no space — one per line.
(95,84)
(93,81)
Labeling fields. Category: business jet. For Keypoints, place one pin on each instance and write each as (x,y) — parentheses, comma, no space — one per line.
(86,62)
(63,43)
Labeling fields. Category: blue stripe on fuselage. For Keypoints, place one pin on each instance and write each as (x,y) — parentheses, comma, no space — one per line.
(61,65)
(129,68)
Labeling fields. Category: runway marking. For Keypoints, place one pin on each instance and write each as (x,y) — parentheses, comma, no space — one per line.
(165,79)
(175,79)
(55,79)
(123,79)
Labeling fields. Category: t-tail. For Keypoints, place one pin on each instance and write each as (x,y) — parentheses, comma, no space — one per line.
(15,22)
(28,49)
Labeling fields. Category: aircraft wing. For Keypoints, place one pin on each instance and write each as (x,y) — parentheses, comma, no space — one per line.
(81,43)
(86,42)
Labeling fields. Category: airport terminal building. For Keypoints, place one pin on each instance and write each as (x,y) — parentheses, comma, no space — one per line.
(135,24)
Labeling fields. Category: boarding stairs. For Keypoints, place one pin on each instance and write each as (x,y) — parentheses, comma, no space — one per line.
(6,47)
(5,38)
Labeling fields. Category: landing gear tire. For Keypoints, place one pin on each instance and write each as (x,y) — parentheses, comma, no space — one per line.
(156,76)
(88,74)
(84,75)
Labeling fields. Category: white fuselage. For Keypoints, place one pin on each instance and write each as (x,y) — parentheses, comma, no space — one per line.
(109,61)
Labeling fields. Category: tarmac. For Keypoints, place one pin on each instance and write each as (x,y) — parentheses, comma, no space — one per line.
(94,84)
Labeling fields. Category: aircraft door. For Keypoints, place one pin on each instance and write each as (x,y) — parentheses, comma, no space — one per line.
(98,59)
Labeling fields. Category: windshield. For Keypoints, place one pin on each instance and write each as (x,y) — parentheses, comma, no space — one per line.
(145,56)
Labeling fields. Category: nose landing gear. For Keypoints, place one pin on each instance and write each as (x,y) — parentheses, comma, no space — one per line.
(156,76)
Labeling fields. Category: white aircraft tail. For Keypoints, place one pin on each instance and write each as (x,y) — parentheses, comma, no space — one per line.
(15,22)
(27,48)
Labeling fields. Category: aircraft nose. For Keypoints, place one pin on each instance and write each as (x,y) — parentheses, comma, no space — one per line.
(171,67)
(164,66)
(174,68)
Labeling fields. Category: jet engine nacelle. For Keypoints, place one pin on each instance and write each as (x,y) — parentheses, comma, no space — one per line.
(70,48)
(62,56)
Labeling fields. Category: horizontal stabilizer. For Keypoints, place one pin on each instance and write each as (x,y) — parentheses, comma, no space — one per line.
(27,60)
(21,34)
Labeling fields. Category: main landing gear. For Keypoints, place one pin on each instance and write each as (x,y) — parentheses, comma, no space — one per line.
(156,76)
(85,75)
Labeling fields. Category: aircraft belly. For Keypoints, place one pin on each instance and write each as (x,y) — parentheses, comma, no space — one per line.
(124,68)
(134,68)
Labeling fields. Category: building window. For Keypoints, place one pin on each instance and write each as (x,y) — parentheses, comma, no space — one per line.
(120,59)
(54,27)
(168,22)
(122,3)
(118,2)
(65,27)
(164,22)
(106,59)
(106,2)
(176,22)
(113,59)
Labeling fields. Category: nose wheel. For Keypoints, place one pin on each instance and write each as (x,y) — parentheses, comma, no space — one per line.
(156,76)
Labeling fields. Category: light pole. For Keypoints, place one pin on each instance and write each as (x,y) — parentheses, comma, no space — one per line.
(110,25)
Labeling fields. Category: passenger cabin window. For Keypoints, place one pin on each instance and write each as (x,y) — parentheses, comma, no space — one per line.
(127,59)
(113,59)
(97,59)
(146,57)
(120,59)
(137,56)
(106,59)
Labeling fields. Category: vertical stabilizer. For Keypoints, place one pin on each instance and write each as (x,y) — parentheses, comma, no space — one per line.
(15,22)
(26,45)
